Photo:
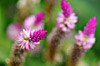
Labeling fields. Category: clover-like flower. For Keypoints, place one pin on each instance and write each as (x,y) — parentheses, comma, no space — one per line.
(13,30)
(86,38)
(34,22)
(67,18)
(29,38)
(66,8)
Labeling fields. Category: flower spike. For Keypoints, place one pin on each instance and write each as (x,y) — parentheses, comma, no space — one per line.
(29,38)
(90,27)
(66,8)
(13,30)
(65,23)
(67,18)
(86,38)
(84,42)
(34,22)
(39,17)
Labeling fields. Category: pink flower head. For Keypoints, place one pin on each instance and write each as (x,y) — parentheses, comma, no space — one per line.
(66,8)
(39,17)
(13,30)
(67,19)
(34,22)
(29,22)
(86,38)
(60,18)
(66,23)
(36,36)
(29,38)
(90,27)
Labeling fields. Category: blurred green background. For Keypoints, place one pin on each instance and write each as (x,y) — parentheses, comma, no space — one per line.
(84,9)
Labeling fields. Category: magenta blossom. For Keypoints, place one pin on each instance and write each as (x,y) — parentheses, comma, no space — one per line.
(39,17)
(67,19)
(66,23)
(89,30)
(29,38)
(29,22)
(13,30)
(66,8)
(34,22)
(36,36)
(86,38)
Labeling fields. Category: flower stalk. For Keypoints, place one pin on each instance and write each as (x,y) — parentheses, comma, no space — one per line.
(84,42)
(17,57)
(77,53)
(26,41)
(54,40)
(64,25)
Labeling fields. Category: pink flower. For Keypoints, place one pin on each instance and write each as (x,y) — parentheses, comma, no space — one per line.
(29,22)
(36,36)
(67,18)
(29,38)
(86,38)
(39,17)
(89,30)
(68,23)
(34,22)
(60,18)
(66,8)
(13,30)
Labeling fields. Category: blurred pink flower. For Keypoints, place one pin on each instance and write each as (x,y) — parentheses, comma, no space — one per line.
(13,30)
(67,19)
(29,38)
(99,63)
(39,17)
(68,23)
(34,22)
(89,30)
(66,8)
(60,18)
(86,38)
(29,22)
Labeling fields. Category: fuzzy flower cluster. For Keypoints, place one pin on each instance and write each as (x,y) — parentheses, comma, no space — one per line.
(29,38)
(67,18)
(34,22)
(86,38)
(13,30)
